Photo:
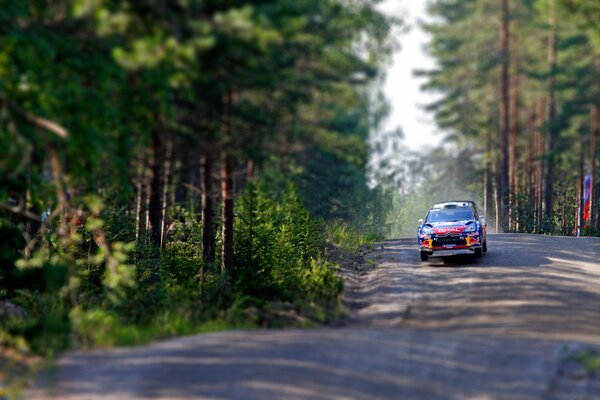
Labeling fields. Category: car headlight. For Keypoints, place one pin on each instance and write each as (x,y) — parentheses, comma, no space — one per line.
(471,228)
(426,230)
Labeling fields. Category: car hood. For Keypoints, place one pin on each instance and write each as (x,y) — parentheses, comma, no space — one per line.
(444,228)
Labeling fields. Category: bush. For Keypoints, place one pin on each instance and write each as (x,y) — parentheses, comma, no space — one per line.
(45,328)
(349,239)
(10,245)
(277,256)
(281,278)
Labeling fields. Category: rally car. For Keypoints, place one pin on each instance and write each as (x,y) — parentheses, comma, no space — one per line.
(451,228)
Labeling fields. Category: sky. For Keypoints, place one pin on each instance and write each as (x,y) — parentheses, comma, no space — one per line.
(402,88)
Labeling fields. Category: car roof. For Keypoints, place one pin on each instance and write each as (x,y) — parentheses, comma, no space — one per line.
(455,204)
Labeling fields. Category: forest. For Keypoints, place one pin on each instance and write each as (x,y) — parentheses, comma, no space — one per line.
(519,91)
(171,167)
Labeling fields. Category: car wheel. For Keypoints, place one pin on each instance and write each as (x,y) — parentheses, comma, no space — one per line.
(478,253)
(485,246)
(424,255)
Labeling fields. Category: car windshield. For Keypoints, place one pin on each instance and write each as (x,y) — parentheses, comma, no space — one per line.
(450,215)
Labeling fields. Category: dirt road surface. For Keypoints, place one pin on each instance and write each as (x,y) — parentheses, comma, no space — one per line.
(507,326)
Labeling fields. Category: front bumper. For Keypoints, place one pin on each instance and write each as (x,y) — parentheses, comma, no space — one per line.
(465,244)
(450,253)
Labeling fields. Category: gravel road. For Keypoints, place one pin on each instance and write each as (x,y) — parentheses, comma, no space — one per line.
(506,326)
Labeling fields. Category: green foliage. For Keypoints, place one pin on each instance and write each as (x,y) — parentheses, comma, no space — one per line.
(138,92)
(58,274)
(12,241)
(45,329)
(408,209)
(588,359)
(588,15)
(282,279)
(101,328)
(277,254)
(341,234)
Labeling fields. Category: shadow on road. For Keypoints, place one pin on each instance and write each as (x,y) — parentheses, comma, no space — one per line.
(324,364)
(454,261)
(525,286)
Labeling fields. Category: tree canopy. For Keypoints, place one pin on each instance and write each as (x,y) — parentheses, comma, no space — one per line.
(181,157)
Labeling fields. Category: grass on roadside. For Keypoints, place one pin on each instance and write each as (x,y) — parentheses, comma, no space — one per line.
(350,239)
(102,329)
(589,359)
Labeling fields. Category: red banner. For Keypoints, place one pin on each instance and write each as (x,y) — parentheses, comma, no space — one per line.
(587,204)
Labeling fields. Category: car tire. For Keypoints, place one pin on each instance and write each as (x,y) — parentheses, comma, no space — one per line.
(424,255)
(478,253)
(485,246)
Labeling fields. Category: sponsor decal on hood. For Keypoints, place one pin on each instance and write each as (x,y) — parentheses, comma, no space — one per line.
(445,228)
(444,231)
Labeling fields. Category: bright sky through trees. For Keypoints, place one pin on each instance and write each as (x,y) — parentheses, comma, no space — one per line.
(402,87)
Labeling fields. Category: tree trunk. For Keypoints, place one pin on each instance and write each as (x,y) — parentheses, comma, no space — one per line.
(182,181)
(251,170)
(580,201)
(540,162)
(531,182)
(167,178)
(139,196)
(496,206)
(549,184)
(155,195)
(185,185)
(65,225)
(487,177)
(593,146)
(514,128)
(502,179)
(227,216)
(564,212)
(207,212)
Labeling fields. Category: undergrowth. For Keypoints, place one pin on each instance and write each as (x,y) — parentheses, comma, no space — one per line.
(282,278)
(343,235)
(589,359)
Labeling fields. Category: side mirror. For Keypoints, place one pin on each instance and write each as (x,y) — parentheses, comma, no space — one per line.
(421,222)
(482,221)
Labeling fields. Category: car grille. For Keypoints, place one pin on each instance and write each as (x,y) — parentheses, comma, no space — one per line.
(456,240)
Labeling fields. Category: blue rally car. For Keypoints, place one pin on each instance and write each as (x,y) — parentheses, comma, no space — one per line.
(451,228)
